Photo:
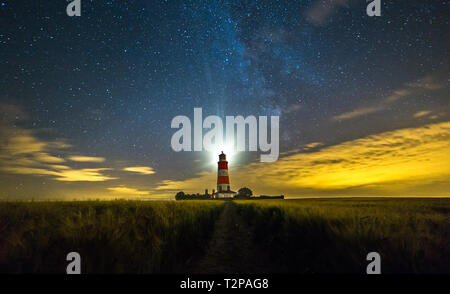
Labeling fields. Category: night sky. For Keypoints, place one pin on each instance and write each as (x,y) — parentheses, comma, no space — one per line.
(86,102)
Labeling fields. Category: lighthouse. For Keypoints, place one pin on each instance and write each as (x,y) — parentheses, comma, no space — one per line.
(223,179)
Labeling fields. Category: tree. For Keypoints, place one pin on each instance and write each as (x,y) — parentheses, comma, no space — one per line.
(180,196)
(245,192)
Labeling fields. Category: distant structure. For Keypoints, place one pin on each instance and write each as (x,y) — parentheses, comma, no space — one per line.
(223,180)
(223,187)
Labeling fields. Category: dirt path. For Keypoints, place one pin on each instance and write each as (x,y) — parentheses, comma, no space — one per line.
(231,249)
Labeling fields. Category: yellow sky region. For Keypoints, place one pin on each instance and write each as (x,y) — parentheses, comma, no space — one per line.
(21,152)
(145,170)
(402,161)
(87,159)
(127,191)
(63,173)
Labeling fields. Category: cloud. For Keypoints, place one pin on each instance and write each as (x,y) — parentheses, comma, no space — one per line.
(86,159)
(127,191)
(22,142)
(82,175)
(400,162)
(140,169)
(28,170)
(398,94)
(312,145)
(191,185)
(21,147)
(23,152)
(11,113)
(305,147)
(47,158)
(428,83)
(59,167)
(422,113)
(357,113)
(64,174)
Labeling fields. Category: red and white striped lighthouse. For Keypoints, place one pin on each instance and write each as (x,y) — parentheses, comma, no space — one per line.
(223,180)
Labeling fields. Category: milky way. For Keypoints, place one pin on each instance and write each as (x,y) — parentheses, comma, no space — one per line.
(109,82)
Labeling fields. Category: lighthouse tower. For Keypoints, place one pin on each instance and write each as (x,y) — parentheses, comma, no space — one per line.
(223,180)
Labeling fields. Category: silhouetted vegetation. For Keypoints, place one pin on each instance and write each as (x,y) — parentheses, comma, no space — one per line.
(262,197)
(183,196)
(244,193)
(335,236)
(111,236)
(295,236)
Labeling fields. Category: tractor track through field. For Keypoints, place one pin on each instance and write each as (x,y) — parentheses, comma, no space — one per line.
(231,248)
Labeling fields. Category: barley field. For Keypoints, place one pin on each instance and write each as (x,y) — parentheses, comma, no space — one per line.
(246,236)
(335,235)
(111,237)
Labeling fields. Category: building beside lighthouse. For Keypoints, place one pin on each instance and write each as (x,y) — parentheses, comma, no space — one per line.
(223,179)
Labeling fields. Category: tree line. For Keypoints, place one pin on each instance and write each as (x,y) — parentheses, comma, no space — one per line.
(243,193)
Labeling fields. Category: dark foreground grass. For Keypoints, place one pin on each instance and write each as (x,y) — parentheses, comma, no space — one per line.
(334,236)
(111,237)
(279,236)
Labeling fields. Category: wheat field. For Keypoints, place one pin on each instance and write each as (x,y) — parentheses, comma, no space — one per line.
(248,236)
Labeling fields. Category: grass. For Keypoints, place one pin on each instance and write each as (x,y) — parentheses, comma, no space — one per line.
(116,236)
(290,236)
(334,236)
